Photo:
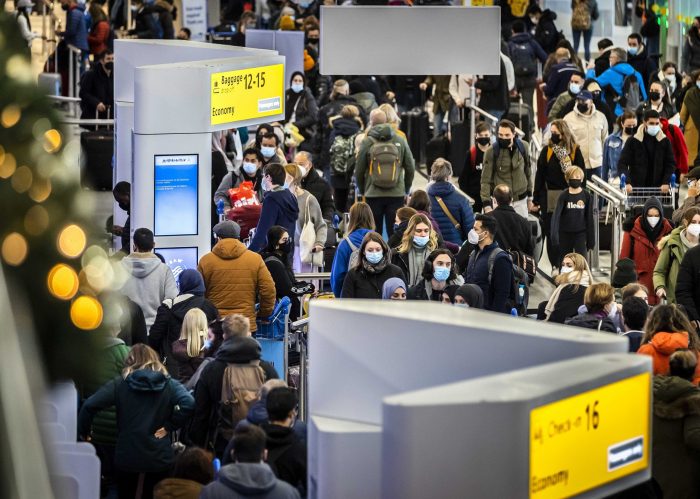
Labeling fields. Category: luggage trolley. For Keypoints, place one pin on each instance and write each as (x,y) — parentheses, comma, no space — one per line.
(274,337)
(640,195)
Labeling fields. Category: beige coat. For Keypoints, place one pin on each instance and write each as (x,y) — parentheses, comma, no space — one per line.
(590,131)
(691,133)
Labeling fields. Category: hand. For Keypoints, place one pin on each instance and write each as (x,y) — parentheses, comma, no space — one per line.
(460,103)
(161,433)
(693,191)
(591,64)
(628,188)
(534,208)
(661,293)
(423,86)
(665,188)
(487,209)
(317,248)
(542,85)
(530,206)
(390,95)
(101,107)
(117,230)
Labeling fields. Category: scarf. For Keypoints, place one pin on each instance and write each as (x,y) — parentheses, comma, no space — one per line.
(684,240)
(416,259)
(375,269)
(576,278)
(563,156)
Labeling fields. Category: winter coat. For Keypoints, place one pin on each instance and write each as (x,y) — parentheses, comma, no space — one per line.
(661,347)
(676,432)
(150,282)
(592,321)
(177,488)
(688,283)
(442,100)
(110,362)
(678,145)
(537,54)
(168,323)
(515,233)
(672,250)
(284,279)
(567,304)
(559,78)
(599,104)
(145,401)
(645,253)
(691,52)
(76,28)
(689,202)
(559,105)
(207,392)
(319,188)
(614,78)
(235,278)
(279,208)
(546,32)
(635,162)
(98,37)
(494,91)
(341,260)
(423,290)
(510,167)
(612,150)
(457,205)
(325,127)
(549,176)
(498,289)
(185,366)
(286,454)
(241,480)
(690,117)
(667,110)
(145,24)
(96,86)
(306,113)
(589,131)
(310,211)
(361,284)
(165,18)
(365,184)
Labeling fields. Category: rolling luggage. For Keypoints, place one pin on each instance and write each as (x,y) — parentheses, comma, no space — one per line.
(521,114)
(414,124)
(437,147)
(96,165)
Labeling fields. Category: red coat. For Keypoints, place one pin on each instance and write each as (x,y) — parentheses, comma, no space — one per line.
(678,145)
(98,37)
(644,253)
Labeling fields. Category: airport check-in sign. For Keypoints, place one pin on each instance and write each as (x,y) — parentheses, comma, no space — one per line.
(246,94)
(587,440)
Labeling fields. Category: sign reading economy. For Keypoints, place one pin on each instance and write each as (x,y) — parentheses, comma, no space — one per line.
(584,441)
(246,94)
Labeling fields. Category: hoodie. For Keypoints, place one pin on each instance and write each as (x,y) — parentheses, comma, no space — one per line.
(239,480)
(365,184)
(660,348)
(614,77)
(279,208)
(286,455)
(150,282)
(546,32)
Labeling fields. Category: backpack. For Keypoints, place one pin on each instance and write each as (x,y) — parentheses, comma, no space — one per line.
(156,26)
(526,263)
(239,391)
(520,281)
(384,163)
(581,17)
(631,94)
(523,58)
(354,256)
(342,152)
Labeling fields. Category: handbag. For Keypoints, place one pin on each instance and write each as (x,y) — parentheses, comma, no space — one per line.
(307,241)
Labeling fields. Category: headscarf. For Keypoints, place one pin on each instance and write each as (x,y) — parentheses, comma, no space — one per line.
(472,294)
(652,233)
(191,282)
(450,291)
(391,285)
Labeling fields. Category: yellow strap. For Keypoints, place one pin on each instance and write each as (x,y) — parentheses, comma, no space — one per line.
(447,212)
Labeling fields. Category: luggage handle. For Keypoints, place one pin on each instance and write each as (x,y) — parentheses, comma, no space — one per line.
(97,117)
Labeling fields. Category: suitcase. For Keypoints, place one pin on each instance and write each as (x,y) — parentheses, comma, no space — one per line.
(414,124)
(541,108)
(246,216)
(520,114)
(50,83)
(98,151)
(459,143)
(437,147)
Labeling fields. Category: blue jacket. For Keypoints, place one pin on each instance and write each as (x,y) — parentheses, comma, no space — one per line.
(458,206)
(279,207)
(614,78)
(76,30)
(558,80)
(342,259)
(612,148)
(496,292)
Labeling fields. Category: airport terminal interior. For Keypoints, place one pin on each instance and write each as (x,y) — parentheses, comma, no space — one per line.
(350,249)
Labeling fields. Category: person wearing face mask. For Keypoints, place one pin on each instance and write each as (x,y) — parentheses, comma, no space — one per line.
(76,29)
(693,195)
(276,258)
(146,22)
(245,22)
(639,58)
(572,220)
(612,80)
(269,146)
(671,77)
(372,269)
(690,117)
(300,108)
(249,171)
(450,209)
(313,182)
(470,178)
(97,88)
(418,241)
(575,87)
(545,31)
(394,289)
(439,271)
(489,267)
(600,309)
(573,280)
(690,60)
(348,251)
(448,294)
(589,128)
(641,243)
(673,248)
(647,158)
(469,296)
(658,101)
(593,87)
(614,143)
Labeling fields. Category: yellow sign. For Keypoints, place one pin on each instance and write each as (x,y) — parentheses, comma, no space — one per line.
(590,439)
(482,3)
(247,94)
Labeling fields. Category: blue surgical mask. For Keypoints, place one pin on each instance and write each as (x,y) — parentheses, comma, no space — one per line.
(653,130)
(286,185)
(441,274)
(461,305)
(297,87)
(632,50)
(250,168)
(304,4)
(574,88)
(267,151)
(207,344)
(421,241)
(374,257)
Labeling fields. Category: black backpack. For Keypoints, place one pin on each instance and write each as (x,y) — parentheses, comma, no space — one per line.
(519,283)
(523,58)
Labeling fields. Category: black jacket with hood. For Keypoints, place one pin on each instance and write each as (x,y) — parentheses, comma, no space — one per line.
(546,33)
(641,169)
(286,455)
(239,480)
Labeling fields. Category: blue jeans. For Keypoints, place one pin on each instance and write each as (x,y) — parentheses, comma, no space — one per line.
(586,42)
(439,124)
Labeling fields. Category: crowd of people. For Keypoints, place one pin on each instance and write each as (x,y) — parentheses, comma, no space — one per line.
(332,187)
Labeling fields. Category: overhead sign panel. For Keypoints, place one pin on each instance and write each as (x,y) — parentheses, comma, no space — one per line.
(247,94)
(581,442)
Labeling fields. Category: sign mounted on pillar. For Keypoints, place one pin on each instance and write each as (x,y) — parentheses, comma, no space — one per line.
(247,94)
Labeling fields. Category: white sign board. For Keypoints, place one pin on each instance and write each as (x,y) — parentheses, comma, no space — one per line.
(195,18)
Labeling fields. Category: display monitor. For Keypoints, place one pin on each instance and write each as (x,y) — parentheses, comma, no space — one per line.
(179,259)
(175,207)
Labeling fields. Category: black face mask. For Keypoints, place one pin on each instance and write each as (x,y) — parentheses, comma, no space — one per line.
(582,107)
(575,183)
(286,247)
(109,66)
(504,143)
(124,206)
(556,138)
(629,130)
(596,96)
(484,141)
(654,96)
(312,41)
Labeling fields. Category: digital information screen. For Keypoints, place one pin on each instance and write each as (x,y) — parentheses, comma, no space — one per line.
(176,191)
(179,259)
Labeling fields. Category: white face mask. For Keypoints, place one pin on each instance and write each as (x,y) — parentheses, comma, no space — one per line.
(303,171)
(613,310)
(473,237)
(566,270)
(694,229)
(653,221)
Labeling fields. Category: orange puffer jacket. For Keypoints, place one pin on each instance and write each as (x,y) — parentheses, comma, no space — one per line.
(660,348)
(234,278)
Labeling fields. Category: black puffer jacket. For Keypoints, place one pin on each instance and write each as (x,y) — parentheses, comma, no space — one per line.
(361,284)
(592,321)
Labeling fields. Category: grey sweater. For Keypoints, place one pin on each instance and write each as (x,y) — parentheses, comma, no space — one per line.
(314,214)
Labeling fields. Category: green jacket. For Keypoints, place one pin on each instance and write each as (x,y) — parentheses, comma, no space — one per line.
(442,100)
(384,133)
(559,104)
(511,168)
(110,365)
(668,264)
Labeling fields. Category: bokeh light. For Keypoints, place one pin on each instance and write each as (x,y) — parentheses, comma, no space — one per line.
(36,221)
(10,116)
(8,165)
(52,140)
(14,249)
(71,241)
(22,179)
(86,312)
(40,189)
(63,281)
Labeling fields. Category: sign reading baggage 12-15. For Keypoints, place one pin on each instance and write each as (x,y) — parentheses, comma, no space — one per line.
(246,94)
(584,441)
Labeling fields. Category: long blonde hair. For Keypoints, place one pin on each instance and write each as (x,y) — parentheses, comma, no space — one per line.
(581,270)
(142,357)
(407,239)
(194,330)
